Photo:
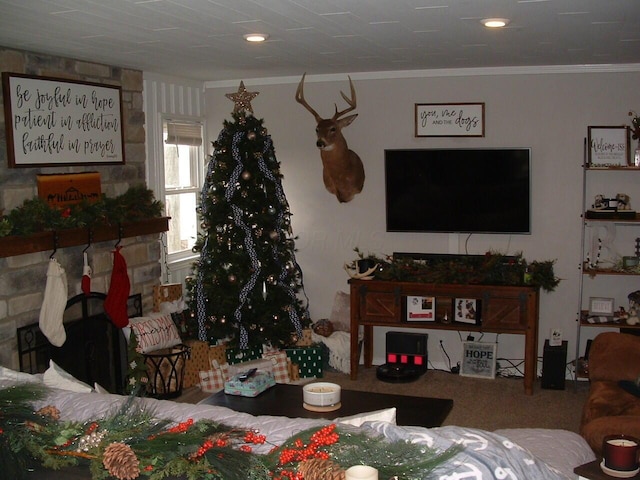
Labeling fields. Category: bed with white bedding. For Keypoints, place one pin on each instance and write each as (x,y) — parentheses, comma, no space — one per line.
(506,454)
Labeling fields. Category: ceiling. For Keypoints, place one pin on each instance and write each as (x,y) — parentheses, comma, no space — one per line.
(202,39)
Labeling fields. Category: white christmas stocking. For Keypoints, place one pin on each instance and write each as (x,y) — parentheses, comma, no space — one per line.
(54,303)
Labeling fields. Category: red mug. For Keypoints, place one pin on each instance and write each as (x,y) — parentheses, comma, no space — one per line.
(620,452)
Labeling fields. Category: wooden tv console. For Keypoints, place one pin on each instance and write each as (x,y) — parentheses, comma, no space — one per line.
(504,309)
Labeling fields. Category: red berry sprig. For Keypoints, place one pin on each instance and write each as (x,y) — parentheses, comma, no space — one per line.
(324,437)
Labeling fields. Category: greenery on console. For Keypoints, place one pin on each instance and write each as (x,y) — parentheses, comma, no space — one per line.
(489,269)
(131,442)
(35,215)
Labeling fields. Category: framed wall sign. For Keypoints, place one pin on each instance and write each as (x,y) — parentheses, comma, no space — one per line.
(609,146)
(449,119)
(421,309)
(478,360)
(54,122)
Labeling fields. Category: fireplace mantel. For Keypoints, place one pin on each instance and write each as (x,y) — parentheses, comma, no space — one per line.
(50,241)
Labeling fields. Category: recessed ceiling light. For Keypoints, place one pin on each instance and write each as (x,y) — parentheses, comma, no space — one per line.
(495,22)
(256,37)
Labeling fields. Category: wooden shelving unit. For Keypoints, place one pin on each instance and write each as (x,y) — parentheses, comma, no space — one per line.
(50,240)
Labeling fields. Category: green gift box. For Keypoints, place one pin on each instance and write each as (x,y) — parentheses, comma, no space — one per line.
(235,355)
(308,359)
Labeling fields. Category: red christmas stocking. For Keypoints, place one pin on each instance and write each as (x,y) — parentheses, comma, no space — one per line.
(116,302)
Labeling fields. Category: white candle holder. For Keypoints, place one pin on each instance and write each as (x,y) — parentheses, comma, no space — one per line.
(361,472)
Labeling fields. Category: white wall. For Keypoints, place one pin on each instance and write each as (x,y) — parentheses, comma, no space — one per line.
(547,110)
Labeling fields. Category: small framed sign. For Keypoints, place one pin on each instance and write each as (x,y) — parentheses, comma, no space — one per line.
(421,309)
(601,307)
(609,146)
(478,360)
(449,119)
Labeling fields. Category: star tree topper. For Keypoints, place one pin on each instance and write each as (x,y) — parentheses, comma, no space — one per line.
(242,99)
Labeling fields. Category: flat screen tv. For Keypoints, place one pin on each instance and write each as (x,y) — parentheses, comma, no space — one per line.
(458,190)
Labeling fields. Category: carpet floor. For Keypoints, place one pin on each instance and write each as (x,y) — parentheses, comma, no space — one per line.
(477,403)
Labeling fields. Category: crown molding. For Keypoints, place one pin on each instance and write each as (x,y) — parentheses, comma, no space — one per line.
(445,72)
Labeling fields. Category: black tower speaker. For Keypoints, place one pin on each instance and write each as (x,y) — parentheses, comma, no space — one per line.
(554,364)
(406,357)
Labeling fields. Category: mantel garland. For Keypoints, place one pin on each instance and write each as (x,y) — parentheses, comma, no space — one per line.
(131,443)
(489,269)
(35,215)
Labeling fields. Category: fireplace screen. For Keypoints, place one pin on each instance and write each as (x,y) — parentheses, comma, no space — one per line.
(95,350)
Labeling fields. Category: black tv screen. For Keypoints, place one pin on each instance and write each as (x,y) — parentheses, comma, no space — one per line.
(458,190)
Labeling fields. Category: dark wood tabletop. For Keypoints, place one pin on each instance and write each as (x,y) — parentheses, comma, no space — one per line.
(286,400)
(592,471)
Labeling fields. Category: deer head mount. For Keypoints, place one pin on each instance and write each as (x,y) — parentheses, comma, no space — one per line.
(343,172)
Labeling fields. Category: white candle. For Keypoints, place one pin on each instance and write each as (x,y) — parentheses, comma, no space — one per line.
(361,472)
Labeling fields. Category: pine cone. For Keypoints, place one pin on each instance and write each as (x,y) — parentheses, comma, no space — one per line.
(121,461)
(319,469)
(49,411)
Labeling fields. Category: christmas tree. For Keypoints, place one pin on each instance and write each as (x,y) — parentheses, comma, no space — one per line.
(246,286)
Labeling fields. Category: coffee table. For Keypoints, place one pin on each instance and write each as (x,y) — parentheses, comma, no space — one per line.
(286,400)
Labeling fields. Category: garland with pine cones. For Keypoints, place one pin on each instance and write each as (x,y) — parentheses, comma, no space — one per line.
(131,443)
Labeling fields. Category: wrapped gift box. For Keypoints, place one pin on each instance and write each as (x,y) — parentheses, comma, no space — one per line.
(197,361)
(235,355)
(305,340)
(169,292)
(308,359)
(251,387)
(262,364)
(213,380)
(280,368)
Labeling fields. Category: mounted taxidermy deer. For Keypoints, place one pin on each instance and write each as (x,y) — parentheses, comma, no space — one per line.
(342,172)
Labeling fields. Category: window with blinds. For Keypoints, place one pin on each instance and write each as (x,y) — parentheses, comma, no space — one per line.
(183,167)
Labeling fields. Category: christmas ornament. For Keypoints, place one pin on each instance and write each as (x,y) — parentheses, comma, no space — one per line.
(242,99)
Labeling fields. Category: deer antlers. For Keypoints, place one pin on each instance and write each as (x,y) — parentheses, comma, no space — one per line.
(343,172)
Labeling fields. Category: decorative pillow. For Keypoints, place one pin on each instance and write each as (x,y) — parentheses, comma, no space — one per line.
(11,377)
(154,332)
(386,415)
(341,312)
(100,389)
(56,377)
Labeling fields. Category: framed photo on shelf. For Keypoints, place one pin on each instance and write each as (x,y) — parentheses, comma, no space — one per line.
(601,307)
(421,309)
(609,146)
(478,360)
(467,310)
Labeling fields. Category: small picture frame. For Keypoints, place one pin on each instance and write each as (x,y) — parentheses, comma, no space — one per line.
(478,360)
(609,146)
(467,310)
(420,309)
(601,307)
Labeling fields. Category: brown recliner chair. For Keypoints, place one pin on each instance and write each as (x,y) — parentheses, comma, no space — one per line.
(609,408)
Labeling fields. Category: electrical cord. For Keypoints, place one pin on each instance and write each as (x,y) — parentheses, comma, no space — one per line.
(455,369)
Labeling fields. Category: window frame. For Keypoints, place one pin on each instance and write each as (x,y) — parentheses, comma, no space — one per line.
(197,177)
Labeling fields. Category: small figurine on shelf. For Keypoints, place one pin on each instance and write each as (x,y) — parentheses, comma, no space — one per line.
(634,308)
(635,134)
(632,318)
